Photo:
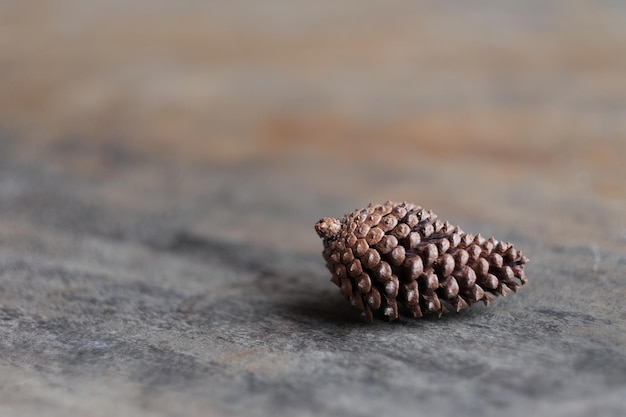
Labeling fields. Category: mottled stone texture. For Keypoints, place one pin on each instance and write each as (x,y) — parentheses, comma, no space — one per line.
(162,165)
(109,307)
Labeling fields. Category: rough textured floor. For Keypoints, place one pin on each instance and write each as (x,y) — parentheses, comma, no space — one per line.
(162,165)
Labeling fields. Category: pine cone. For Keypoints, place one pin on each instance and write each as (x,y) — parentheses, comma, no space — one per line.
(399,256)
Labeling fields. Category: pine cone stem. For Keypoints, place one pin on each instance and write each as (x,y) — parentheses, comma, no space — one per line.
(397,257)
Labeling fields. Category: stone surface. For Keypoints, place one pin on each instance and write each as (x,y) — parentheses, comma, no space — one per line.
(162,166)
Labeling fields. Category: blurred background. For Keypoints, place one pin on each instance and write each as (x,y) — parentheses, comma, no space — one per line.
(513,111)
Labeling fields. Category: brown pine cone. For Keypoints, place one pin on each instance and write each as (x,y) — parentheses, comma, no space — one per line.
(392,257)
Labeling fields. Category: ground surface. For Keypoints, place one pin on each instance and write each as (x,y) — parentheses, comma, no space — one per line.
(162,165)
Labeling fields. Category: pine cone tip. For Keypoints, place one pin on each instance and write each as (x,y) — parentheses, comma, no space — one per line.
(328,227)
(397,258)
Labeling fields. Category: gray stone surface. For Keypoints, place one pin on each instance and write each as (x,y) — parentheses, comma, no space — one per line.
(109,308)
